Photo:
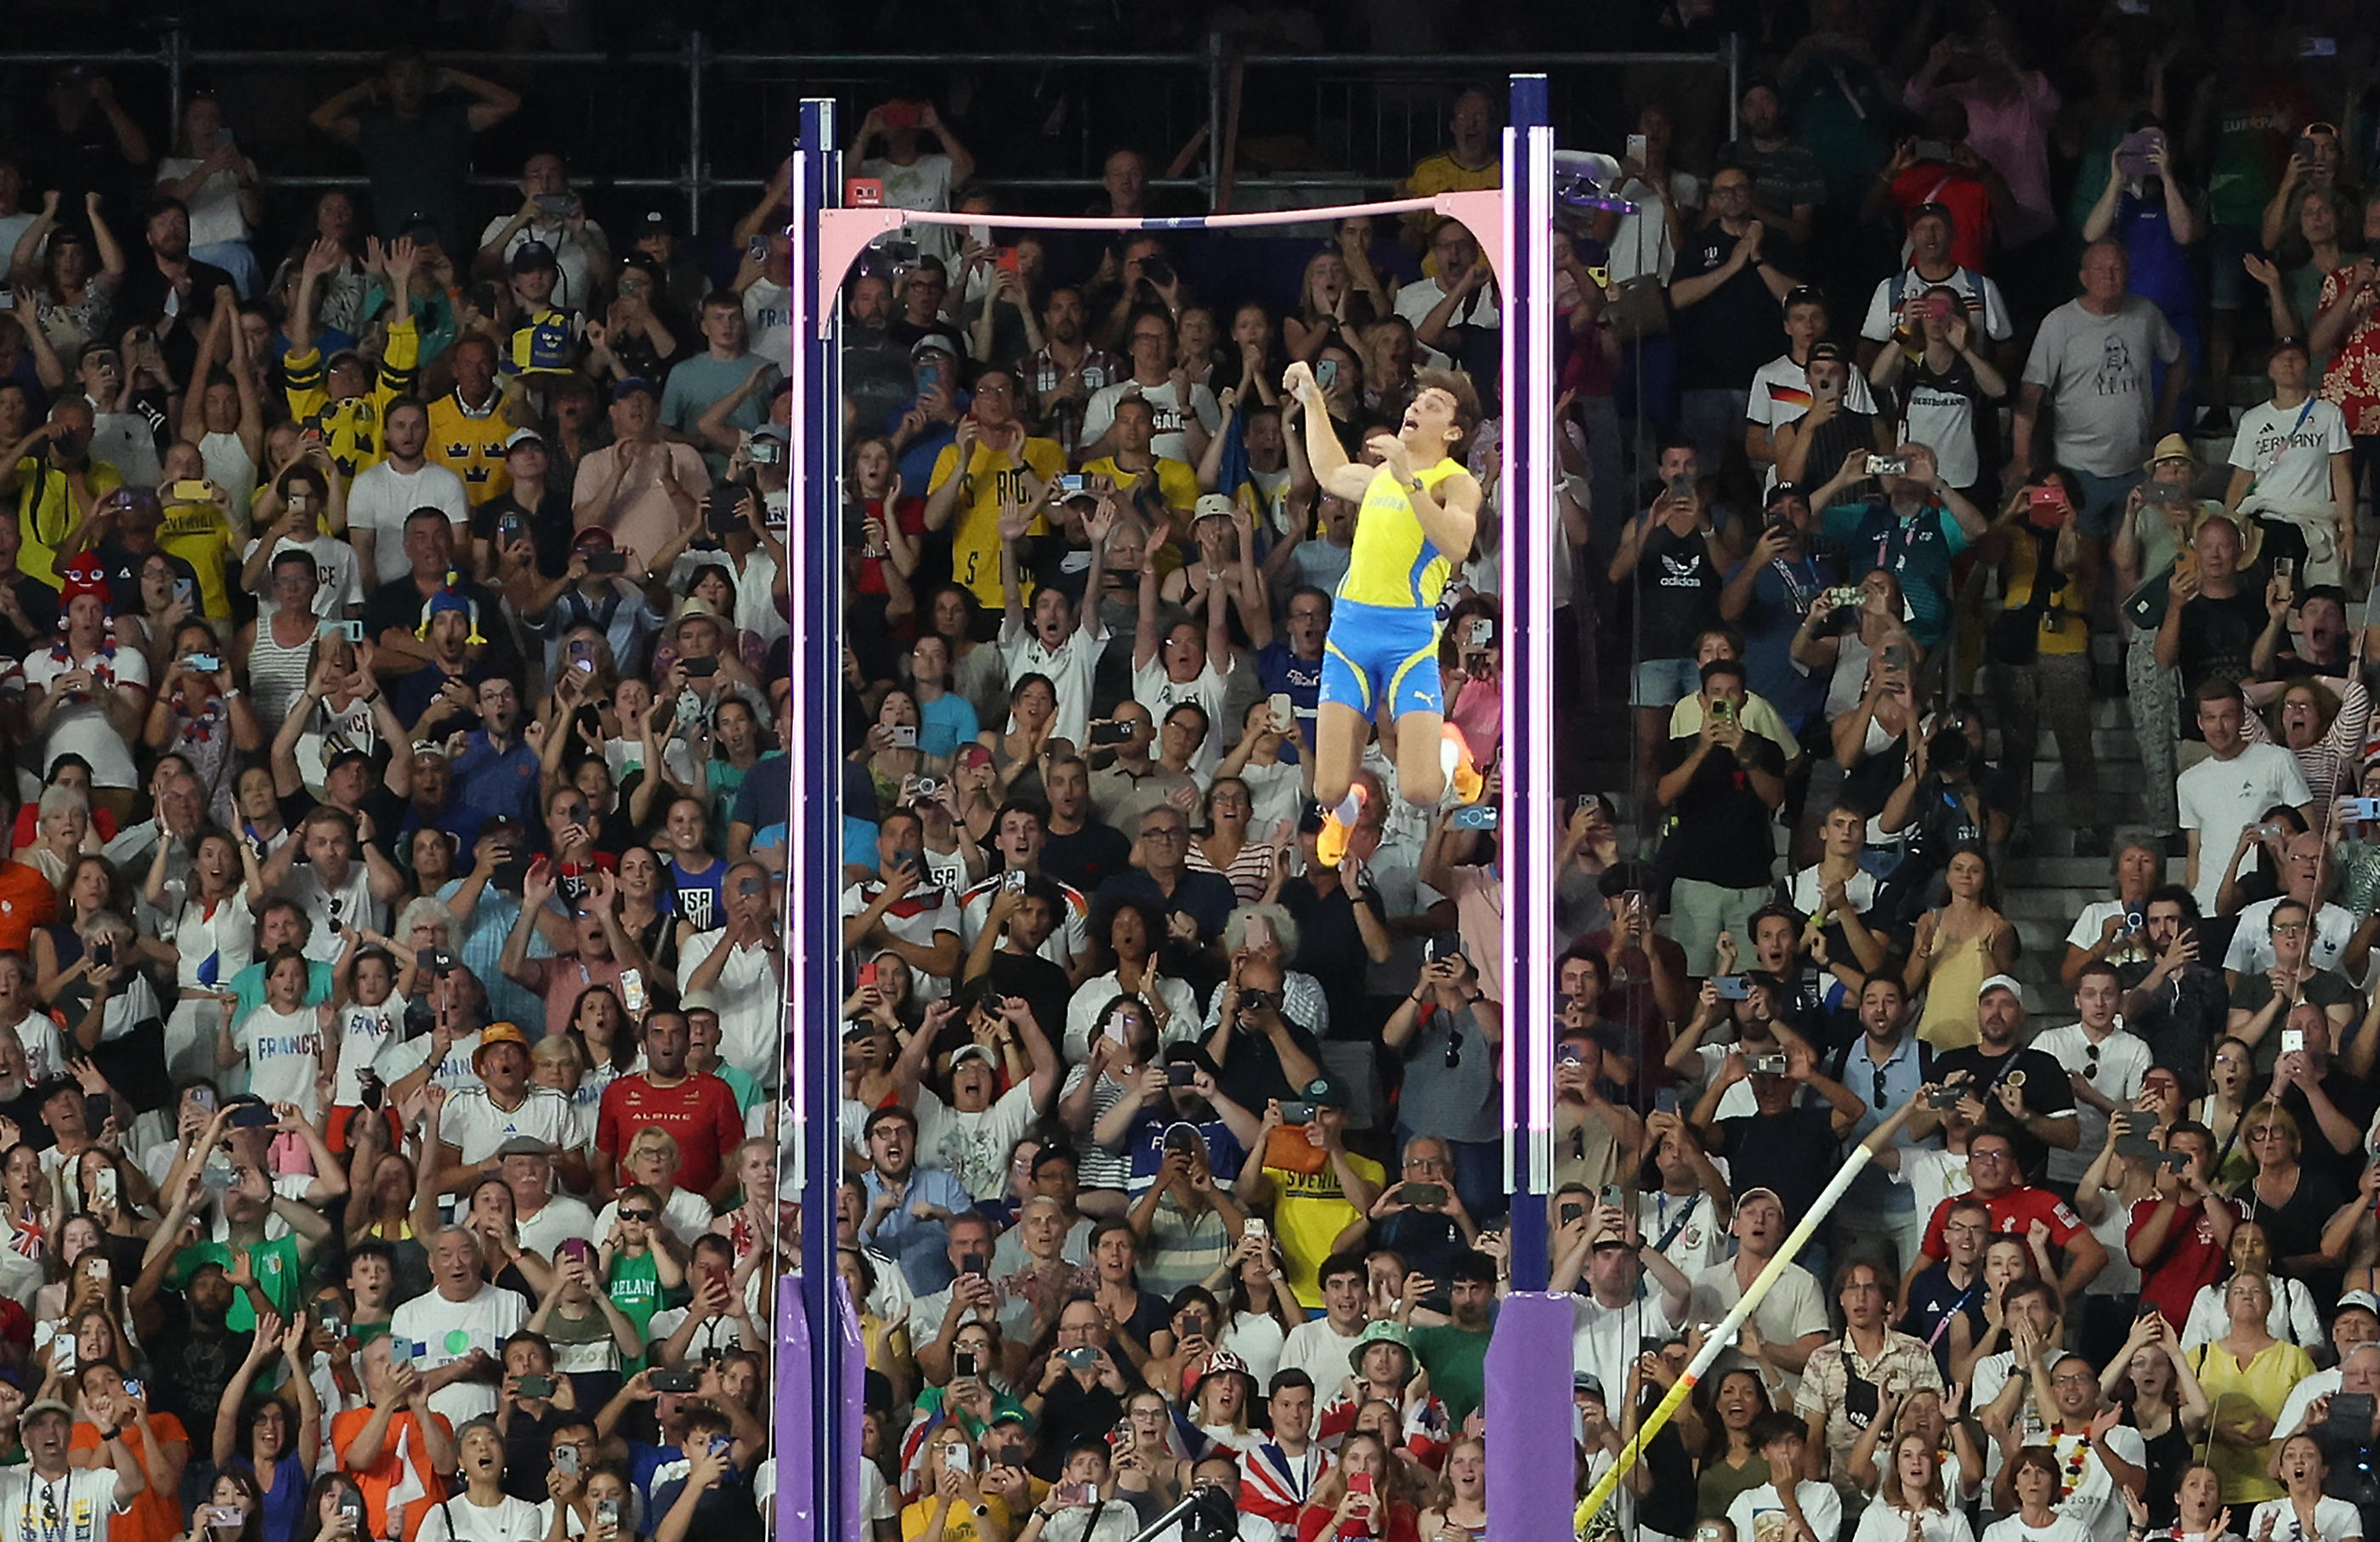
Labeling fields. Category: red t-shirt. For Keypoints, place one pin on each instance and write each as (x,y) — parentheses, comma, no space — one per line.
(909,516)
(1967,197)
(2192,1258)
(2012,1213)
(699,1112)
(27,899)
(383,1476)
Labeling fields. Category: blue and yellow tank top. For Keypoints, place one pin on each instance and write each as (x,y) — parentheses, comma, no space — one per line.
(1392,562)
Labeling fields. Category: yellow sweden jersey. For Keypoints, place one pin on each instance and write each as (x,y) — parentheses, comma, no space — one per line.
(1392,563)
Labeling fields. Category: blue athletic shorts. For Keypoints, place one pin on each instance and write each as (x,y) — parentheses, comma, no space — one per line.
(1378,656)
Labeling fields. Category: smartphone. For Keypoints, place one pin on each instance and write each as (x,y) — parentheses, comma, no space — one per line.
(351,1506)
(1282,710)
(1768,1065)
(2132,152)
(2359,810)
(1637,148)
(555,204)
(1071,1495)
(537,1386)
(400,1351)
(632,989)
(1665,1100)
(1011,882)
(899,114)
(102,955)
(566,1460)
(103,1187)
(677,1378)
(1931,149)
(1080,1358)
(1570,1212)
(607,1513)
(228,1516)
(1888,465)
(963,1363)
(345,631)
(1845,597)
(1181,1072)
(1073,484)
(1733,988)
(1444,944)
(98,1107)
(1326,373)
(904,735)
(722,512)
(1257,933)
(1475,816)
(1567,1054)
(1360,1483)
(1111,732)
(188,492)
(1296,1110)
(1480,633)
(253,1116)
(1896,656)
(2292,1041)
(1004,258)
(1934,307)
(607,562)
(205,664)
(703,669)
(2314,48)
(1425,1195)
(1253,1226)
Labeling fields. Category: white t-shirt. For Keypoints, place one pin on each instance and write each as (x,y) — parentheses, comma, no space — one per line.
(215,211)
(338,586)
(458,1520)
(333,907)
(1319,1349)
(1160,693)
(1069,667)
(1794,1307)
(2289,450)
(364,1032)
(402,1057)
(1881,1523)
(1603,1340)
(1859,892)
(2065,1529)
(2334,1520)
(751,998)
(560,1218)
(475,1126)
(382,497)
(1759,1515)
(81,726)
(1417,299)
(768,318)
(1987,311)
(924,183)
(2123,1061)
(2220,798)
(231,467)
(84,1500)
(284,1055)
(444,1331)
(1165,406)
(974,1148)
(2250,950)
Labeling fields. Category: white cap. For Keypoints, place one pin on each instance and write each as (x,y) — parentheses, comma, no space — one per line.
(2008,983)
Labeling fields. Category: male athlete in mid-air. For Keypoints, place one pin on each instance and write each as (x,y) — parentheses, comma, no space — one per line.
(1417,513)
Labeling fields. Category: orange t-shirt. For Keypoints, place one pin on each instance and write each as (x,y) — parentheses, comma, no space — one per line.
(376,1481)
(27,899)
(155,1516)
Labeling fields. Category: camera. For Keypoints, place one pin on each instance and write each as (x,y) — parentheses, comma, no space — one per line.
(1253,1001)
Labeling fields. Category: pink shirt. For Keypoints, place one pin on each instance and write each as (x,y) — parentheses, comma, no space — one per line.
(2014,136)
(639,515)
(1479,897)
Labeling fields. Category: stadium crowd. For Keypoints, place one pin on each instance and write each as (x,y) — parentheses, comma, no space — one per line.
(391,958)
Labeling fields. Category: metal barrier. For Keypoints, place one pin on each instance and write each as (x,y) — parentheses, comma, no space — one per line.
(1350,123)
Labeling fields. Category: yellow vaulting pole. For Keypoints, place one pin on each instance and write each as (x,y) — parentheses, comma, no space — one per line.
(1724,1333)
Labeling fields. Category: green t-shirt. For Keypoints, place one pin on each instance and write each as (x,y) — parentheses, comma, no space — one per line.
(1456,1359)
(636,1289)
(279,1269)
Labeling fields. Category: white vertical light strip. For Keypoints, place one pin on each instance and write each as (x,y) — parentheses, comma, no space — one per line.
(1514,366)
(801,897)
(1538,803)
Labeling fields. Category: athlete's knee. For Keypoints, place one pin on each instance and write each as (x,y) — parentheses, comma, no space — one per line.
(1422,785)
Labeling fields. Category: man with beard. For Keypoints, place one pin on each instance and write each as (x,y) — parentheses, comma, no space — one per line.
(2177,1001)
(168,294)
(877,374)
(1068,369)
(2021,1093)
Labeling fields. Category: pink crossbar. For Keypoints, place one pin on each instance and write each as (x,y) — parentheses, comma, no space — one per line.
(844,231)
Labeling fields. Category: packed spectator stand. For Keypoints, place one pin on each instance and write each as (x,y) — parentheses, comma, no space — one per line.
(1965,558)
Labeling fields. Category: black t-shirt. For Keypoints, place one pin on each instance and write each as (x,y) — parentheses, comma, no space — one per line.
(1726,336)
(2217,636)
(142,300)
(1934,1298)
(400,602)
(1677,586)
(2355,1103)
(1041,984)
(123,565)
(40,602)
(2045,1089)
(549,527)
(1330,948)
(1722,825)
(1088,858)
(1794,1152)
